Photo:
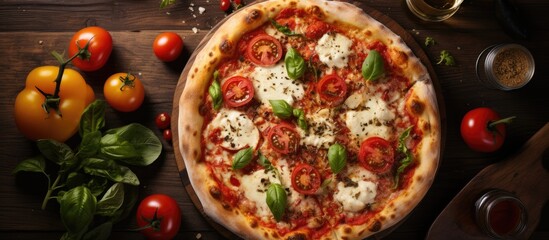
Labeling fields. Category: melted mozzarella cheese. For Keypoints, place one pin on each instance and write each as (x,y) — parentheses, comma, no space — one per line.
(334,49)
(356,198)
(273,83)
(321,130)
(254,187)
(370,121)
(237,130)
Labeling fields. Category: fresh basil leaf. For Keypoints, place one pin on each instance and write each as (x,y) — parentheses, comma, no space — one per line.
(90,145)
(97,185)
(93,118)
(75,179)
(109,169)
(242,158)
(408,158)
(373,66)
(111,201)
(276,200)
(77,207)
(165,3)
(295,64)
(283,29)
(130,199)
(133,144)
(101,232)
(215,92)
(337,157)
(55,151)
(264,162)
(281,109)
(301,121)
(34,164)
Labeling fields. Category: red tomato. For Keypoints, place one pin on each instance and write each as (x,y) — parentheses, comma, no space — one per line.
(124,92)
(162,214)
(237,91)
(225,5)
(99,48)
(264,50)
(163,120)
(376,154)
(316,30)
(167,46)
(481,132)
(332,89)
(167,134)
(305,179)
(283,138)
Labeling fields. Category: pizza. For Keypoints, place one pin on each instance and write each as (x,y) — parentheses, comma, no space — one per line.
(307,120)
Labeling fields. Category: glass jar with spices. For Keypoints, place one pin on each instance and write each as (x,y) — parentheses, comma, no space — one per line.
(501,214)
(505,66)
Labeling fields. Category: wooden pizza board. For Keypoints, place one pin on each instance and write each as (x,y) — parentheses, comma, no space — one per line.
(388,22)
(522,174)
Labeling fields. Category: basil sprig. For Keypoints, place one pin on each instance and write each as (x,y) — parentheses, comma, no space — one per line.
(276,200)
(264,162)
(407,160)
(284,110)
(215,92)
(295,64)
(242,158)
(373,67)
(94,179)
(337,157)
(284,29)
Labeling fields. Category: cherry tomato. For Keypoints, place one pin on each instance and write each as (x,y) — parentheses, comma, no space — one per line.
(167,134)
(237,91)
(162,214)
(316,29)
(225,5)
(163,120)
(332,89)
(167,46)
(99,48)
(264,50)
(305,179)
(376,154)
(283,138)
(33,121)
(481,132)
(124,92)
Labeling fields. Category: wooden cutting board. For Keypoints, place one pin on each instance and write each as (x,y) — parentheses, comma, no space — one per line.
(522,174)
(388,22)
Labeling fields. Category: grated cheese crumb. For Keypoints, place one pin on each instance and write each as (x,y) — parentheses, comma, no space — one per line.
(191,8)
(201,10)
(198,236)
(195,30)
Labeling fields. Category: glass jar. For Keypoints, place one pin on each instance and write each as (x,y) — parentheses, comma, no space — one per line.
(505,66)
(501,214)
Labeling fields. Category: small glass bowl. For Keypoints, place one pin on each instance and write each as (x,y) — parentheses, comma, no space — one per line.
(496,206)
(505,66)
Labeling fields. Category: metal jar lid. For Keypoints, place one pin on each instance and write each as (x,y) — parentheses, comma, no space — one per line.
(505,66)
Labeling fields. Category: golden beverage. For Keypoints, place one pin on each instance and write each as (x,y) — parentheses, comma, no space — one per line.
(433,10)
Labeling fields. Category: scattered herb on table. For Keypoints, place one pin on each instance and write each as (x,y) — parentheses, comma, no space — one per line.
(429,41)
(446,58)
(94,186)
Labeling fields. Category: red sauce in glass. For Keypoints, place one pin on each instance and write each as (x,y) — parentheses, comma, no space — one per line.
(504,217)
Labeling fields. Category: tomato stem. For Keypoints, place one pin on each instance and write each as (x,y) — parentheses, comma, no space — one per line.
(492,125)
(153,223)
(127,81)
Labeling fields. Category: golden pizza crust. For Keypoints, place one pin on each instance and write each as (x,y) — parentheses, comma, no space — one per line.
(223,43)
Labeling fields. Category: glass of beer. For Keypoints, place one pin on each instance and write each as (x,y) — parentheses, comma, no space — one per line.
(433,10)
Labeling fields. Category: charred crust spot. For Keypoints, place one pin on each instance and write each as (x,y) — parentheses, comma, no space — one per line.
(192,76)
(417,107)
(361,232)
(347,230)
(226,46)
(195,153)
(393,216)
(253,223)
(297,236)
(195,133)
(187,127)
(375,226)
(272,9)
(316,11)
(226,206)
(419,178)
(195,70)
(401,58)
(426,126)
(368,33)
(185,146)
(275,235)
(211,54)
(215,192)
(253,16)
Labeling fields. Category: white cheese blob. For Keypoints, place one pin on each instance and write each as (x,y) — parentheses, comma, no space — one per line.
(334,49)
(354,101)
(370,121)
(237,130)
(321,130)
(254,187)
(355,198)
(273,83)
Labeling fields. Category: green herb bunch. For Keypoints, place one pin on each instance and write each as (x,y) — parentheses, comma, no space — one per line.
(94,186)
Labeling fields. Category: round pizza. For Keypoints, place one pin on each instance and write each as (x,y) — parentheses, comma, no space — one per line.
(308,119)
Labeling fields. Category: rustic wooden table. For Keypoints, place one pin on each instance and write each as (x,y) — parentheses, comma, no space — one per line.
(31,29)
